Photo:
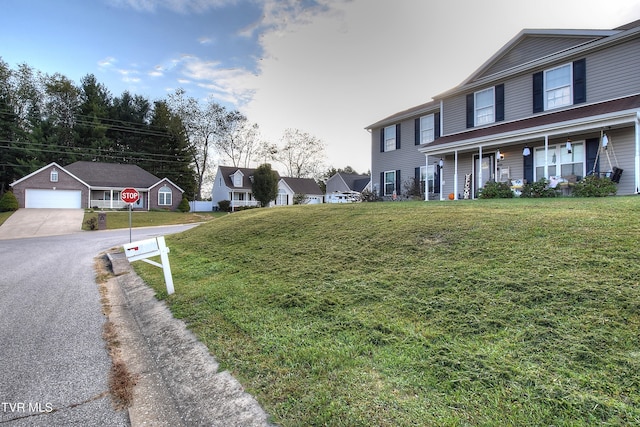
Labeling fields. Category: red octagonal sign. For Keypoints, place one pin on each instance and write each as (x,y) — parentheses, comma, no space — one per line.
(129,195)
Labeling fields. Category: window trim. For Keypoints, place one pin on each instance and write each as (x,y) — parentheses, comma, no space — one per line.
(477,109)
(54,176)
(546,90)
(430,136)
(393,182)
(388,140)
(165,191)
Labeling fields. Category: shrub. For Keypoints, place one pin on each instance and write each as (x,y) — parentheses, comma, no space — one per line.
(594,186)
(224,205)
(8,202)
(184,205)
(539,189)
(92,223)
(496,190)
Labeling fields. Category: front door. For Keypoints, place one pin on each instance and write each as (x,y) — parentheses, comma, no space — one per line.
(487,166)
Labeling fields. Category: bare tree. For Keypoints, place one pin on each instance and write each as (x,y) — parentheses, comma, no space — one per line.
(301,154)
(237,139)
(201,127)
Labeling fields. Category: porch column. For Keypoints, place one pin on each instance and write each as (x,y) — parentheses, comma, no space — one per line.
(455,176)
(637,125)
(479,177)
(426,178)
(546,157)
(111,198)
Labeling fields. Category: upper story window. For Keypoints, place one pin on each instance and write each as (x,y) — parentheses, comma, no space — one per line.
(484,107)
(427,129)
(390,138)
(237,179)
(558,87)
(165,196)
(54,176)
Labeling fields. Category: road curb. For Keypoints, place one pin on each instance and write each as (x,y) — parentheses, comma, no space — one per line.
(178,383)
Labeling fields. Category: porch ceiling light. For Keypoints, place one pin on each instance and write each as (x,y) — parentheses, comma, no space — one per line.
(605,140)
(441,163)
(568,145)
(527,151)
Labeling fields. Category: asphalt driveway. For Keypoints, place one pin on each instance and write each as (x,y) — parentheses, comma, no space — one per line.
(41,222)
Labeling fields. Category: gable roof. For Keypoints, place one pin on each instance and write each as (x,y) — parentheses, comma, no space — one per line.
(227,171)
(426,108)
(98,174)
(354,181)
(535,48)
(50,165)
(302,185)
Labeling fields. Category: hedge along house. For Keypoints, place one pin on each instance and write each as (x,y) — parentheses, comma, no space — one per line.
(94,185)
(553,104)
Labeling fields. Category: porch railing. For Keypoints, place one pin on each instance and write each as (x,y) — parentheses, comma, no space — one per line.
(108,204)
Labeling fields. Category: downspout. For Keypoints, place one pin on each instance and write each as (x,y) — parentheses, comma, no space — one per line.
(455,176)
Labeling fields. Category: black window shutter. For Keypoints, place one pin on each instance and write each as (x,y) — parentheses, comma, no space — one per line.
(382,140)
(528,167)
(436,126)
(436,178)
(416,175)
(398,182)
(471,121)
(381,184)
(398,136)
(579,81)
(499,94)
(591,152)
(538,92)
(416,126)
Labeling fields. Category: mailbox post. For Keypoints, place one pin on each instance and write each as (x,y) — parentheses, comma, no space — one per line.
(144,249)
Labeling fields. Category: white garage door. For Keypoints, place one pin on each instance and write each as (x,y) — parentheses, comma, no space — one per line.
(58,199)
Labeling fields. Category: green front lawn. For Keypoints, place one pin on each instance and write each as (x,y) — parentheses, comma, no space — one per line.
(489,312)
(120,219)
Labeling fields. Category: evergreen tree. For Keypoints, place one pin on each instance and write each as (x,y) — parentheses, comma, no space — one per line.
(265,184)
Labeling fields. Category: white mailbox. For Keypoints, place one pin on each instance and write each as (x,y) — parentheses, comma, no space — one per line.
(145,249)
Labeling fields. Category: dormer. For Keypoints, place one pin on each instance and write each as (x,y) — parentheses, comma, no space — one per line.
(237,178)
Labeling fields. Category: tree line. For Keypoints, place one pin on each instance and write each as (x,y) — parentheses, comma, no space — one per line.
(48,118)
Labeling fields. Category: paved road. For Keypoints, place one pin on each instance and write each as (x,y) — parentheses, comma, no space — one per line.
(53,362)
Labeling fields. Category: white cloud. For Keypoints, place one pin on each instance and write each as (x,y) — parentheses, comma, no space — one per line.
(180,6)
(107,62)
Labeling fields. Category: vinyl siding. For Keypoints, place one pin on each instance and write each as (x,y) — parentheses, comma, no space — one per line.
(613,72)
(406,159)
(531,48)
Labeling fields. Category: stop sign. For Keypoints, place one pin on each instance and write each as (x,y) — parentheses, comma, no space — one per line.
(129,195)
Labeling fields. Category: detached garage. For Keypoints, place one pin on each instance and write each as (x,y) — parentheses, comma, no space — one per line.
(56,199)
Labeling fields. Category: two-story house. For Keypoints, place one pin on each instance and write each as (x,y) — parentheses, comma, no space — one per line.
(554,104)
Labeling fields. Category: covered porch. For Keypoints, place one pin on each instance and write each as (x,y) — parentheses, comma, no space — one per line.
(562,152)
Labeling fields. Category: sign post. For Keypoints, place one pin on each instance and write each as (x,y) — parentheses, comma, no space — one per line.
(130,195)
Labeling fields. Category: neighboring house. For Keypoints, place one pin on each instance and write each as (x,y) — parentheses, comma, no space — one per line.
(234,184)
(288,188)
(346,188)
(554,104)
(94,185)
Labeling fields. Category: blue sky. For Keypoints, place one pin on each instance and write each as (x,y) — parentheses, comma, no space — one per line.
(327,67)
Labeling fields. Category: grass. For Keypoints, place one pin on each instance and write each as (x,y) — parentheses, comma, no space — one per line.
(4,216)
(488,312)
(120,219)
